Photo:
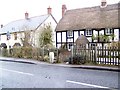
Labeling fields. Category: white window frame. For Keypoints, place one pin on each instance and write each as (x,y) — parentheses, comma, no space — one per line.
(108,31)
(70,33)
(88,32)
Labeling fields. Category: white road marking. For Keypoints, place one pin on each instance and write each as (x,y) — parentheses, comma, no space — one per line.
(85,84)
(17,72)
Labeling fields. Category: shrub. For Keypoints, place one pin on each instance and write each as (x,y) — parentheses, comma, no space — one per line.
(23,52)
(46,58)
(4,52)
(40,58)
(17,52)
(27,52)
(76,59)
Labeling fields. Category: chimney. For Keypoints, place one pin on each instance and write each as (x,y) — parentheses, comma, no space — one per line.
(49,9)
(1,25)
(103,3)
(63,9)
(26,15)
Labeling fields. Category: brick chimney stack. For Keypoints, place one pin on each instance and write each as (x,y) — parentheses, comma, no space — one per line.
(64,8)
(26,15)
(49,9)
(103,3)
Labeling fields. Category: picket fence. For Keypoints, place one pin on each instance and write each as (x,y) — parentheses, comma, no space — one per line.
(100,55)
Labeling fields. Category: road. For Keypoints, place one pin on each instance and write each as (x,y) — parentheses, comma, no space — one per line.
(23,75)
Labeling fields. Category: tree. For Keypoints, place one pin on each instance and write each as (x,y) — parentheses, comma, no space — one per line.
(46,39)
(26,37)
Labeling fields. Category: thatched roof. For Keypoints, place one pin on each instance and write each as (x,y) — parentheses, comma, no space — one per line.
(81,40)
(90,18)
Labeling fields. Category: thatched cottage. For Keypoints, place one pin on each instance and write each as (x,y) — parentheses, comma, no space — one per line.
(100,24)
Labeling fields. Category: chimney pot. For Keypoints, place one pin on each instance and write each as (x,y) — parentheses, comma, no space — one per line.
(26,15)
(103,3)
(49,9)
(64,8)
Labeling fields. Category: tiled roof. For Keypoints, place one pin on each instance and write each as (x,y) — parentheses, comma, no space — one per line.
(19,25)
(90,18)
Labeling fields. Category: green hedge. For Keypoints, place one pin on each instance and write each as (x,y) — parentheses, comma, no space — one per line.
(30,52)
(23,52)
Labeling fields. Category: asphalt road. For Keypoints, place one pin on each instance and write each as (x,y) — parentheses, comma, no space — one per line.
(23,75)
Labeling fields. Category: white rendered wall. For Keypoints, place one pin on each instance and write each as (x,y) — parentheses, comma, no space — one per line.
(75,35)
(51,21)
(116,33)
(63,36)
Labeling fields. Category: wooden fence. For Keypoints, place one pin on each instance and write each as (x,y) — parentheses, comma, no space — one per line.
(100,55)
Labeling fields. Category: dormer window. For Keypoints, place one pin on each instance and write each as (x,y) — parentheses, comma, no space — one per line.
(88,32)
(70,33)
(108,31)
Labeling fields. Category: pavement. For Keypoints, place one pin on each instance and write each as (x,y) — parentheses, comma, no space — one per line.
(32,61)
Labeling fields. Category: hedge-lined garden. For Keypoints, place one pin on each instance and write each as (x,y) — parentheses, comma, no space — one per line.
(29,53)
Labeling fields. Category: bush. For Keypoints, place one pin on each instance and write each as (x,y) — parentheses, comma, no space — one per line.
(30,52)
(5,52)
(76,59)
(17,52)
(46,58)
(27,52)
(23,52)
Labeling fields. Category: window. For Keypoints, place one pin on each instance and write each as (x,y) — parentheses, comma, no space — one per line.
(108,31)
(88,32)
(59,37)
(69,33)
(15,36)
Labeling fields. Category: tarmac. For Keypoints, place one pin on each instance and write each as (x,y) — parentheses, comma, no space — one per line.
(32,61)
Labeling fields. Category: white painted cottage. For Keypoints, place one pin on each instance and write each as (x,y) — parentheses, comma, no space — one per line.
(11,33)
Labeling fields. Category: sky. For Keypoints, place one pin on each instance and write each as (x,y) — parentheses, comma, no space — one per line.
(11,10)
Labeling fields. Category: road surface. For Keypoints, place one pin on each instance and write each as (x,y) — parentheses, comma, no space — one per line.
(26,75)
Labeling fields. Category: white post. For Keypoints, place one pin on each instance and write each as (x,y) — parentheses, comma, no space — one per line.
(51,57)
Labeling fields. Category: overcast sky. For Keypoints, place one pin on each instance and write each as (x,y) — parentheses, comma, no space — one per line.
(11,10)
